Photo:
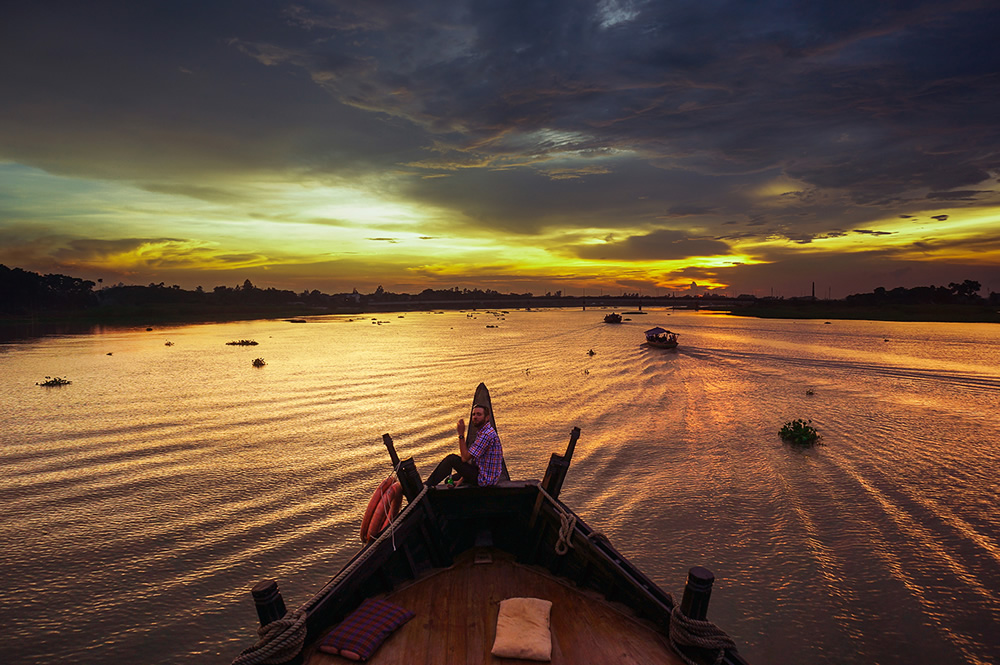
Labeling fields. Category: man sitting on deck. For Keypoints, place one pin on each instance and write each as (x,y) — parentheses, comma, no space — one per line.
(479,464)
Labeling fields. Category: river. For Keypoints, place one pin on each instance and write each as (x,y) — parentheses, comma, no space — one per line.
(141,501)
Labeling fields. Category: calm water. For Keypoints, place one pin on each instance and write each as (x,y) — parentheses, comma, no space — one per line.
(139,503)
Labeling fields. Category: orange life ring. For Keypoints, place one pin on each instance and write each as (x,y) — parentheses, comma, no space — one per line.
(382,508)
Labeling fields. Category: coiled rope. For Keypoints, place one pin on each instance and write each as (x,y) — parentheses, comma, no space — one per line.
(567,525)
(280,641)
(685,631)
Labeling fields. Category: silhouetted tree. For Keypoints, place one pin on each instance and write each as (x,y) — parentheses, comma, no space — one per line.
(966,289)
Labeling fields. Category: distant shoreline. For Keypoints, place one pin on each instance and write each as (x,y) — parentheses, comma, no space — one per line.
(163,315)
(150,316)
(926,313)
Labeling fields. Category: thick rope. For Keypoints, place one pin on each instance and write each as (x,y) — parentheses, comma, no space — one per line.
(568,524)
(685,631)
(280,641)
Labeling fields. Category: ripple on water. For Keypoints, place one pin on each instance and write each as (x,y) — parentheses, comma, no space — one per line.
(149,495)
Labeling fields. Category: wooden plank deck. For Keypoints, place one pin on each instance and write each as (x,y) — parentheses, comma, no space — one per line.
(456,615)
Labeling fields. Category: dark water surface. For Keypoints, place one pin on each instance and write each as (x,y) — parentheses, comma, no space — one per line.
(139,503)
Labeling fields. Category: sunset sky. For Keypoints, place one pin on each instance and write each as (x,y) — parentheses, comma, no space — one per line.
(743,147)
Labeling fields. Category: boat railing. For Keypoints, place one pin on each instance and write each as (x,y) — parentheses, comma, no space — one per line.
(525,518)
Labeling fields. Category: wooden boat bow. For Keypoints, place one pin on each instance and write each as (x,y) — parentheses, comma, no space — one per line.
(605,609)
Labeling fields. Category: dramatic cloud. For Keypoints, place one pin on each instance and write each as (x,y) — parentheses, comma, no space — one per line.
(691,133)
(656,246)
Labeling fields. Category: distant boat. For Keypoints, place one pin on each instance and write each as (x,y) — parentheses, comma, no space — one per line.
(661,339)
(613,318)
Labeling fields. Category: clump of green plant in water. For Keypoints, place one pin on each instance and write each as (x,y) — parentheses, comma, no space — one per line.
(799,431)
(258,362)
(54,381)
(242,342)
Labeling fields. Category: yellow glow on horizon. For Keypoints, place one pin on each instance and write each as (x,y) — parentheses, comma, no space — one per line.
(918,237)
(338,231)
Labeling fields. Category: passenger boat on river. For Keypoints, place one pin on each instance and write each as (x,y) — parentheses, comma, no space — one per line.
(661,338)
(613,317)
(443,582)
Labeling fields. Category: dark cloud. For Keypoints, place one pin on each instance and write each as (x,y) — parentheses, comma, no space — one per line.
(657,246)
(866,97)
(689,210)
(960,195)
(521,118)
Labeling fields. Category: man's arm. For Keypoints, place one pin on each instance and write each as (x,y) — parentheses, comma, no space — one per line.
(462,448)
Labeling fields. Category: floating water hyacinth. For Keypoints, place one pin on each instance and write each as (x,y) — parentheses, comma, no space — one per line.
(54,381)
(799,431)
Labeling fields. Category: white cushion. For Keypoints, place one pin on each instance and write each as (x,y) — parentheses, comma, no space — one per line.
(523,629)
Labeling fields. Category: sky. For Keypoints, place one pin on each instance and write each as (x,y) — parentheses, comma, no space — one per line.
(765,148)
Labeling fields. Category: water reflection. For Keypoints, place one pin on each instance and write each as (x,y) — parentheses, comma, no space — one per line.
(170,473)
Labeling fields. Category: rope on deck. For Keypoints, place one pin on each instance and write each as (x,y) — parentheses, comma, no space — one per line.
(685,631)
(280,641)
(568,524)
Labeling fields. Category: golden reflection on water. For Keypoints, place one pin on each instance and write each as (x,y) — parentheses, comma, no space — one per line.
(147,495)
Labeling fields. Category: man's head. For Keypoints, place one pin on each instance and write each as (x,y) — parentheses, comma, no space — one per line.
(480,414)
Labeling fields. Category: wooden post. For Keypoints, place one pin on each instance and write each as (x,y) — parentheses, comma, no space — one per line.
(697,593)
(267,598)
(387,440)
(555,474)
(409,478)
(574,436)
(407,472)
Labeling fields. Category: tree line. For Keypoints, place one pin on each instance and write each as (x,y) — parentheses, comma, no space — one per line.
(964,293)
(23,292)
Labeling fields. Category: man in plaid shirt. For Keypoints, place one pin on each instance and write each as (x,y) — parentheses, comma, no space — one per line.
(479,463)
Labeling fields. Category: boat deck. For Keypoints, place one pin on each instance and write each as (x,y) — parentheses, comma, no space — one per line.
(456,614)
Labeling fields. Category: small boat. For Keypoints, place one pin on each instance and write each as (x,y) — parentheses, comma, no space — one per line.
(661,339)
(443,582)
(613,318)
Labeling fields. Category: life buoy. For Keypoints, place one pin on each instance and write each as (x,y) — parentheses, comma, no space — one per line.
(382,508)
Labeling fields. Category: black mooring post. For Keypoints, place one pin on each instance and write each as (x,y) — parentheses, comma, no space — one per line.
(697,593)
(574,436)
(267,598)
(555,474)
(387,440)
(407,472)
(409,478)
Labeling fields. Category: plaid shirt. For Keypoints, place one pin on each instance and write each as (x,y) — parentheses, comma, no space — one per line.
(488,453)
